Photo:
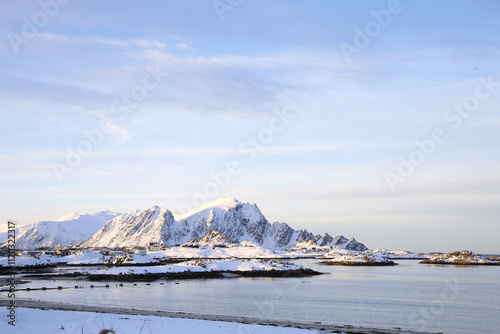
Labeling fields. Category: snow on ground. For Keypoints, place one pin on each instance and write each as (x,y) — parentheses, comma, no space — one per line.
(235,251)
(216,253)
(398,254)
(94,257)
(202,266)
(249,252)
(78,258)
(219,259)
(463,257)
(348,256)
(29,321)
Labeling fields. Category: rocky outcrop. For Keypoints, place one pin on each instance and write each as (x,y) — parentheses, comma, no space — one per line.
(354,258)
(461,258)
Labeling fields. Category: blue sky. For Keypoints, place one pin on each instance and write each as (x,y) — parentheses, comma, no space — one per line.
(260,101)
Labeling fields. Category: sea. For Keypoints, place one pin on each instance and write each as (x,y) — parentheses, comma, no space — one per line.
(412,296)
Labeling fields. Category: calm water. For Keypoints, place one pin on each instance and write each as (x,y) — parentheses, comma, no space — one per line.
(450,299)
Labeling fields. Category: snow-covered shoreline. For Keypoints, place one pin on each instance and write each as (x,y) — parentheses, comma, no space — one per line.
(346,257)
(130,320)
(206,265)
(196,268)
(203,268)
(176,254)
(460,258)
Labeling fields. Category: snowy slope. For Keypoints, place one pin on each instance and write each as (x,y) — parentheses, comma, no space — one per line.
(72,229)
(137,228)
(236,221)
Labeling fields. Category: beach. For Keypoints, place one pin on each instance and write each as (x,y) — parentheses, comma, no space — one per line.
(74,317)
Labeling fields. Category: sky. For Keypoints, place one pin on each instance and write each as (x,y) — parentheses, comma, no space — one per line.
(377,120)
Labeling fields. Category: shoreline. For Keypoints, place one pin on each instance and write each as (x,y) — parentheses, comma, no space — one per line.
(27,303)
(465,264)
(359,264)
(150,277)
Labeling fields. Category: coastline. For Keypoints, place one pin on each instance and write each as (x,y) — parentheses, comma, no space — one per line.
(322,327)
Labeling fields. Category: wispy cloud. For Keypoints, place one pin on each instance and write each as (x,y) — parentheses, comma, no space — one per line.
(143,43)
(181,46)
(149,43)
(58,38)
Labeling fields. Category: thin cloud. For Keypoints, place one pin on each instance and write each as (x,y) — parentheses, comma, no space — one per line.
(58,38)
(181,46)
(149,43)
(121,134)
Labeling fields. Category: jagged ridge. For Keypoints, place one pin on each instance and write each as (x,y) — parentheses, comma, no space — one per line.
(235,222)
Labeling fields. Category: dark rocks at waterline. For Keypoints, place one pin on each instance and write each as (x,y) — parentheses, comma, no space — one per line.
(349,263)
(4,270)
(208,274)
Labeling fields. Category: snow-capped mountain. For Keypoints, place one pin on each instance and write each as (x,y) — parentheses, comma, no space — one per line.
(212,238)
(137,228)
(70,230)
(234,221)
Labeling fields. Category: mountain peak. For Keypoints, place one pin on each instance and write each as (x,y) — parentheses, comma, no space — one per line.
(225,220)
(69,216)
(71,229)
(223,203)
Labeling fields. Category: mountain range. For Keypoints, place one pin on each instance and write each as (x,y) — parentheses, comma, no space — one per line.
(72,229)
(233,222)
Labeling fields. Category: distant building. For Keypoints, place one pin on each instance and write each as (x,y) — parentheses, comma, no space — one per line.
(155,246)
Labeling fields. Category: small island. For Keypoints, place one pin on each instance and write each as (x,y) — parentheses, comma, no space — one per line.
(344,257)
(460,258)
(203,268)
